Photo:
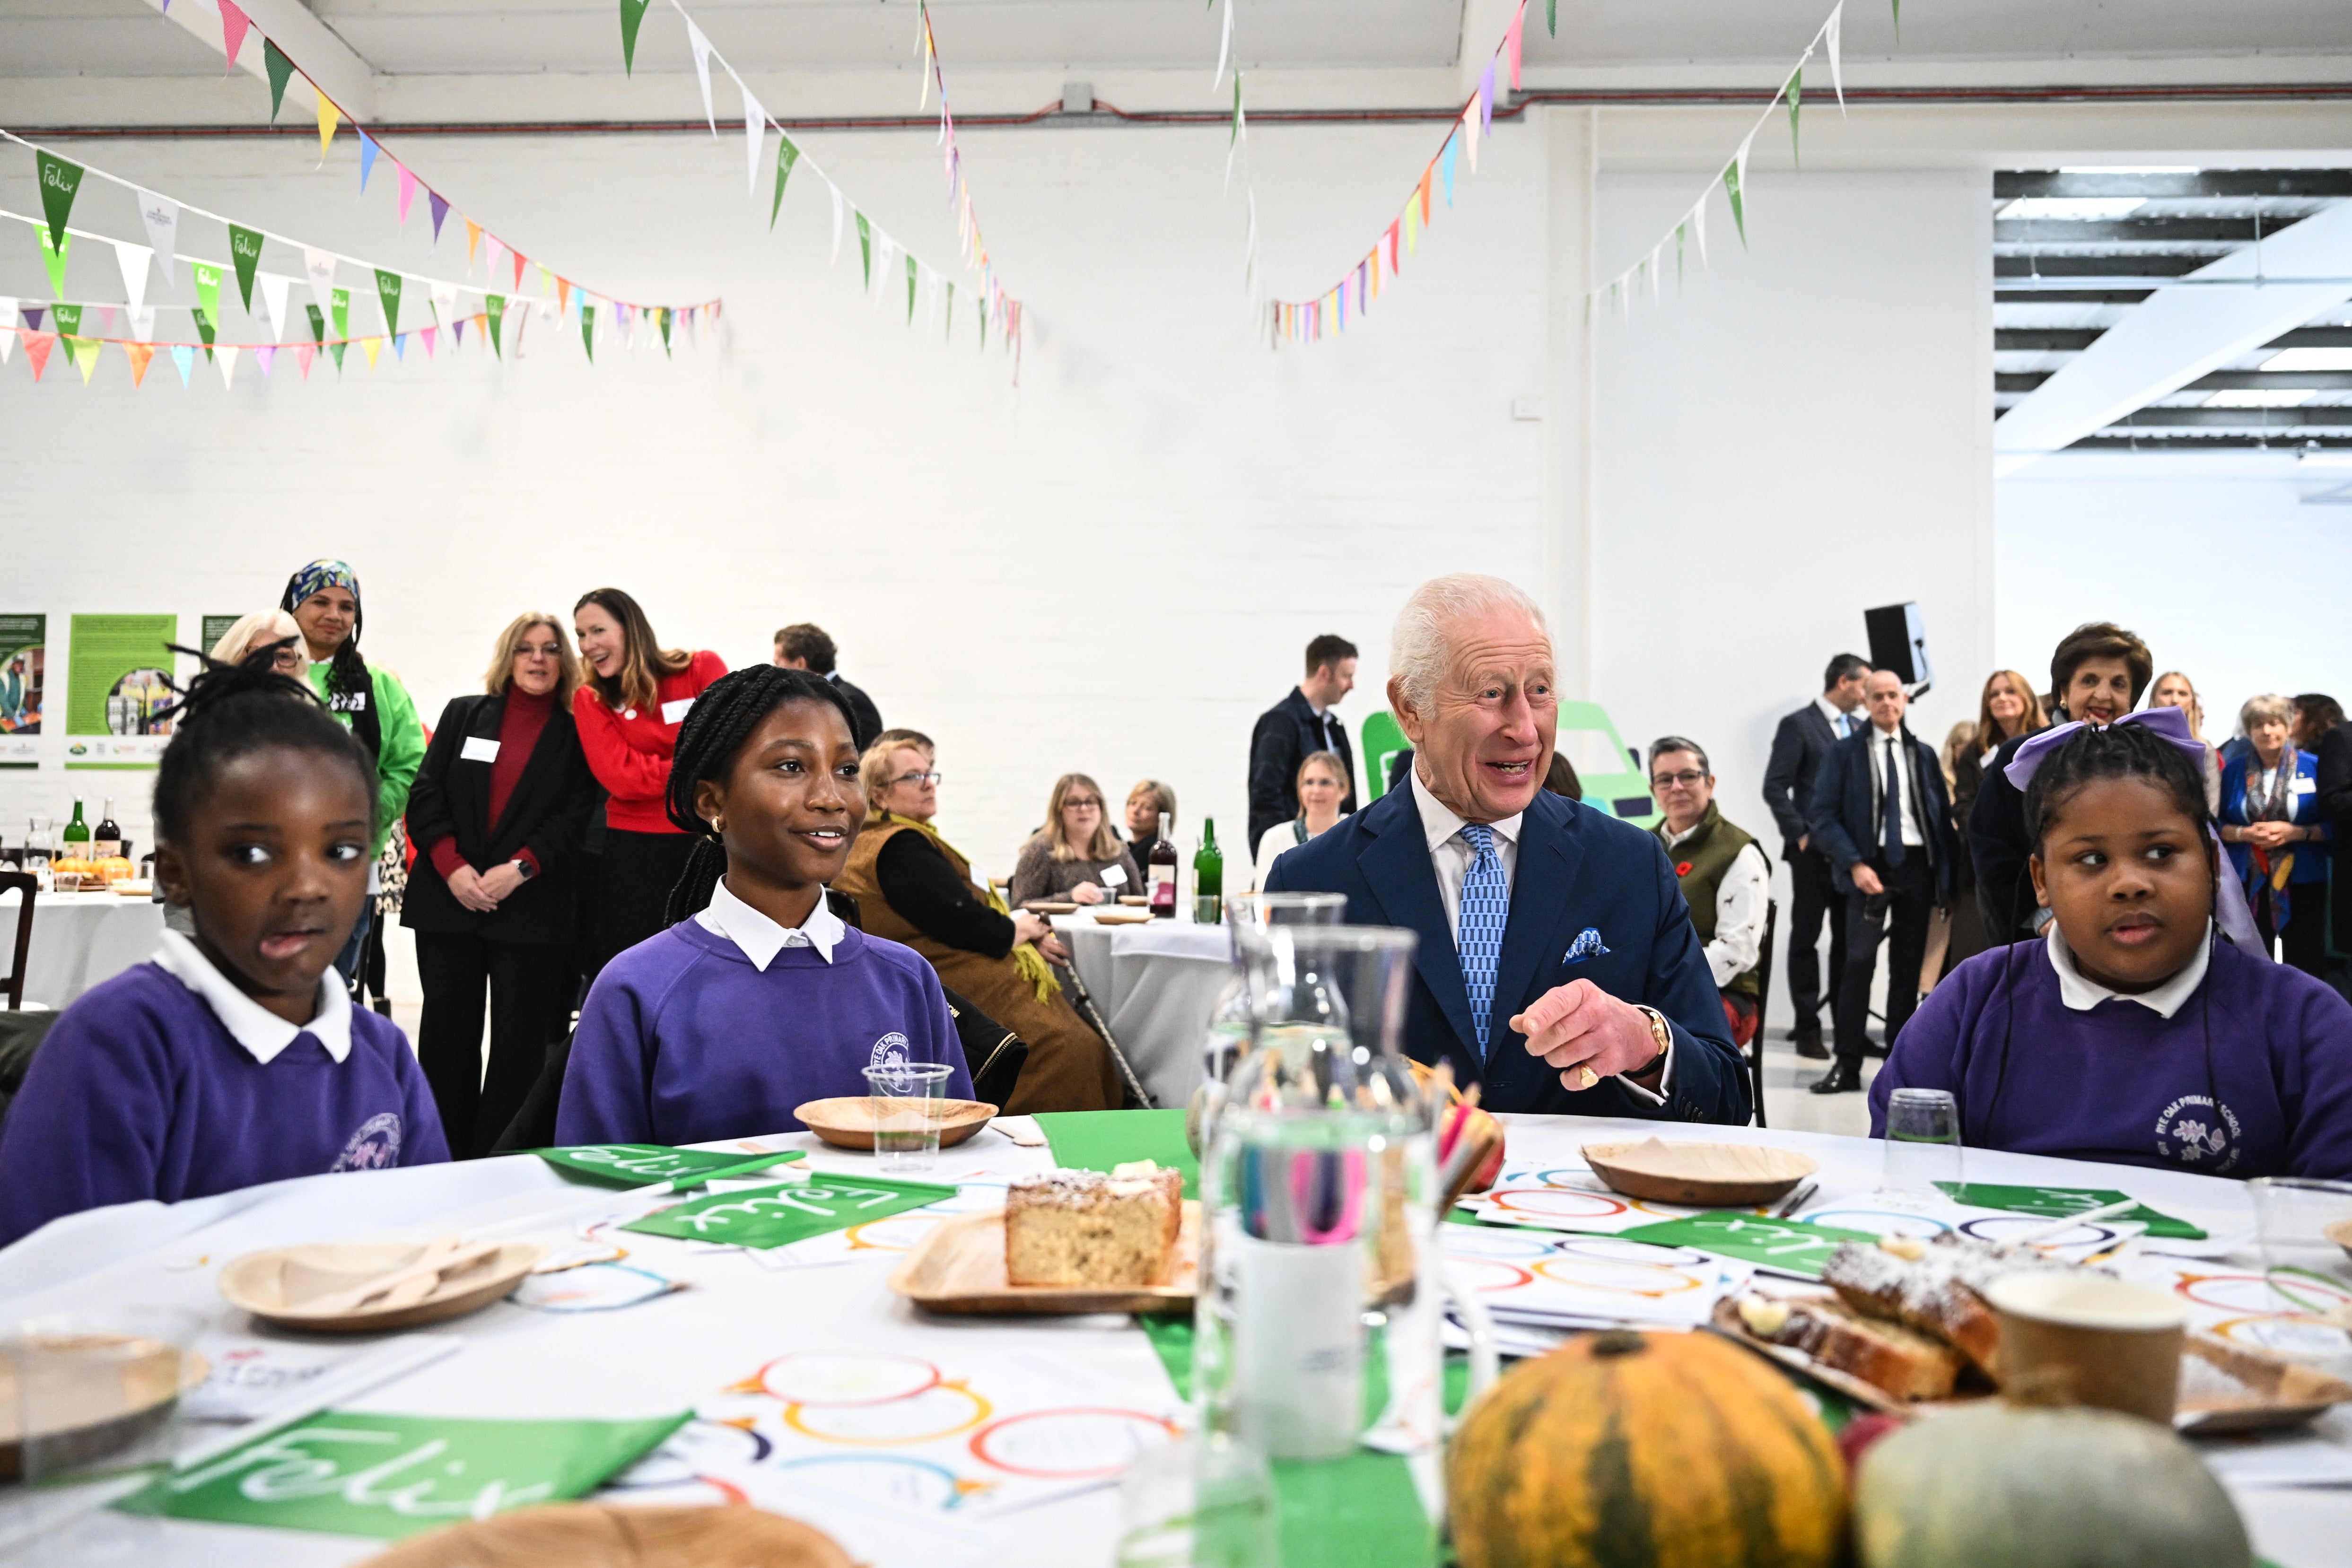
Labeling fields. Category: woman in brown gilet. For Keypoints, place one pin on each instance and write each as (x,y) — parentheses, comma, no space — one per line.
(912,886)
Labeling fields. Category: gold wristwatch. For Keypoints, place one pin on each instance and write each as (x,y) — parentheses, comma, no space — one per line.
(1660,1030)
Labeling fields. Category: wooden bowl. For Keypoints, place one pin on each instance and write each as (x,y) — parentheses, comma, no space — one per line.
(598,1535)
(2340,1233)
(848,1122)
(1135,900)
(1051,906)
(1700,1175)
(126,1389)
(273,1285)
(1122,916)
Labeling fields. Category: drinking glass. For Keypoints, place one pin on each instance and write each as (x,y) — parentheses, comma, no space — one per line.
(2305,1226)
(1197,1504)
(910,1100)
(1923,1145)
(1250,915)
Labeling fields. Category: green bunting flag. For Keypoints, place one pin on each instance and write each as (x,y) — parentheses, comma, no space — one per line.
(244,250)
(53,257)
(1897,6)
(661,319)
(341,300)
(208,282)
(588,330)
(949,313)
(866,248)
(203,319)
(1796,98)
(337,349)
(317,324)
(387,289)
(1551,17)
(494,306)
(1739,211)
(1680,229)
(633,13)
(786,156)
(281,71)
(68,317)
(60,181)
(910,292)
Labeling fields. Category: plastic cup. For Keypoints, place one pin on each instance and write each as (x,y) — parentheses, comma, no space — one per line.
(2080,1339)
(2304,1227)
(89,1410)
(1923,1145)
(910,1100)
(1197,1503)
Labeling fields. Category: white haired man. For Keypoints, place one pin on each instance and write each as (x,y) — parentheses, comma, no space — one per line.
(1556,965)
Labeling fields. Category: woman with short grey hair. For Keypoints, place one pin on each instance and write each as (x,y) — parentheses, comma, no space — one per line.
(2278,843)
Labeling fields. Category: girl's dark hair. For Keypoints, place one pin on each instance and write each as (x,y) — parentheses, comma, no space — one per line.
(230,711)
(2118,751)
(716,728)
(347,678)
(644,660)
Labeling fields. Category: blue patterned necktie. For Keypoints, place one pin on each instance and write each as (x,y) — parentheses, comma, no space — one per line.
(1485,910)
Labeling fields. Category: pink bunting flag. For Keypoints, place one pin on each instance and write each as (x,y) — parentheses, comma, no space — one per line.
(265,355)
(520,261)
(407,188)
(303,354)
(1394,224)
(427,333)
(1511,42)
(234,23)
(106,320)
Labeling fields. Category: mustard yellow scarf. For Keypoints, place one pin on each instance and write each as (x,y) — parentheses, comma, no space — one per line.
(1025,956)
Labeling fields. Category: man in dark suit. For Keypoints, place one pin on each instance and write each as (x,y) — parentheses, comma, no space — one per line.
(1797,748)
(1882,815)
(806,647)
(1556,967)
(2335,783)
(1294,728)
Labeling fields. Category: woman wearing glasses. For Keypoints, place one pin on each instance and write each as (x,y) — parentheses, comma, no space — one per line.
(1074,855)
(913,886)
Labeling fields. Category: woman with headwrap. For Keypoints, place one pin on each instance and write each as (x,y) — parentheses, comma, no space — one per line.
(324,599)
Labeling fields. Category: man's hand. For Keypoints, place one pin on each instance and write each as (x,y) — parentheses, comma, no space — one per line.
(1580,1029)
(1865,880)
(1804,840)
(466,885)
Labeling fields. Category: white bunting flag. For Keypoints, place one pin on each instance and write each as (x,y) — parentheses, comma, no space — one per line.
(143,323)
(1657,272)
(884,250)
(224,356)
(702,70)
(1698,227)
(445,303)
(836,222)
(274,287)
(1225,49)
(1470,134)
(755,128)
(1836,76)
(8,326)
(133,260)
(321,269)
(162,216)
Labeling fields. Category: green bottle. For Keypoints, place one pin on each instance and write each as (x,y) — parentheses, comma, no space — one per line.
(1208,877)
(76,838)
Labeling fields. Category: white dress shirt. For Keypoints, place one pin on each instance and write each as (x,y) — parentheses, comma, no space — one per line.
(1841,723)
(1884,744)
(1740,902)
(262,1032)
(2082,994)
(761,938)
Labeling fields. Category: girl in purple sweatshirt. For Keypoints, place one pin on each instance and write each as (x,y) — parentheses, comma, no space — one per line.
(235,1058)
(758,997)
(2134,1032)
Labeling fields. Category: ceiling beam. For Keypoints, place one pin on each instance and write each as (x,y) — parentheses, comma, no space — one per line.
(2315,416)
(2070,296)
(2203,183)
(2161,441)
(2220,381)
(2044,340)
(2132,230)
(318,49)
(2097,266)
(2180,335)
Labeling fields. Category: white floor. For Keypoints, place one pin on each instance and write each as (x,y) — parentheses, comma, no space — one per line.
(1786,1105)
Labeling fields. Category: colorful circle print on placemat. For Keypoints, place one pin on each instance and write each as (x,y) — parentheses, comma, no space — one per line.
(2295,1338)
(1557,1203)
(591,1288)
(2251,1294)
(896,1234)
(1615,1275)
(940,1411)
(845,1378)
(690,1452)
(2004,1228)
(1615,1249)
(1486,1273)
(884,1480)
(1071,1445)
(1485,1241)
(1878,1221)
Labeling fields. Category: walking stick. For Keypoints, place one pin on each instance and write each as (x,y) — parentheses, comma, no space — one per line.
(1085,1003)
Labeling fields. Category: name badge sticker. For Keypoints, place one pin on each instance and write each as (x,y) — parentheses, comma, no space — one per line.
(1113,876)
(2302,787)
(675,712)
(478,748)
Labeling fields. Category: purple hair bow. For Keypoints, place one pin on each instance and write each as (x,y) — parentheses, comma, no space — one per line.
(2230,908)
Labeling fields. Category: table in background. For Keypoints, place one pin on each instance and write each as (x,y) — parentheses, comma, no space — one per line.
(1156,984)
(81,939)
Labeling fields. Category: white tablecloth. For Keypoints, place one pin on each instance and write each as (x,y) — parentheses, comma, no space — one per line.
(1156,986)
(78,940)
(687,1349)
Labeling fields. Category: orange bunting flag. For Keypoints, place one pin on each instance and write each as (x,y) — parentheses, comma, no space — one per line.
(473,238)
(1424,191)
(1393,267)
(137,354)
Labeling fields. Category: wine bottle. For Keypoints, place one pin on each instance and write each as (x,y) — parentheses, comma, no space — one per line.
(106,839)
(75,837)
(1208,877)
(1163,872)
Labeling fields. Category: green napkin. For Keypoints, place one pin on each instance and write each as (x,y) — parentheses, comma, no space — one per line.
(1792,1245)
(1098,1140)
(393,1476)
(2057,1202)
(780,1216)
(642,1164)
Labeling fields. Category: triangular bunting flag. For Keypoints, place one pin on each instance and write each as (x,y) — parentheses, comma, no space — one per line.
(60,182)
(183,359)
(371,346)
(425,334)
(282,71)
(1511,43)
(1470,134)
(1698,228)
(143,323)
(339,308)
(1486,100)
(633,14)
(368,151)
(440,210)
(520,261)
(162,218)
(1796,98)
(303,354)
(444,302)
(1734,182)
(755,126)
(786,156)
(661,319)
(244,253)
(67,320)
(1424,192)
(234,24)
(226,358)
(836,221)
(912,269)
(85,352)
(265,355)
(204,328)
(320,268)
(702,70)
(274,289)
(457,332)
(400,345)
(137,354)
(132,260)
(1445,162)
(407,188)
(588,330)
(36,350)
(864,251)
(387,289)
(473,242)
(494,306)
(1837,76)
(317,323)
(562,294)
(328,117)
(208,283)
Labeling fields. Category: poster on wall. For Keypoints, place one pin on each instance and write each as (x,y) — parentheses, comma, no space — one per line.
(118,681)
(23,664)
(216,628)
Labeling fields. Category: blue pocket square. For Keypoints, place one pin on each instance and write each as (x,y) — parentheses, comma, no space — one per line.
(1587,945)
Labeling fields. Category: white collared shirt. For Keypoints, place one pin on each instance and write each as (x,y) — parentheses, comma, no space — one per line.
(2082,994)
(1450,854)
(1884,744)
(262,1032)
(761,938)
(1841,721)
(1740,902)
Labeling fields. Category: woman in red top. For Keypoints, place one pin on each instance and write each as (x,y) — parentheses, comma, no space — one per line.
(635,695)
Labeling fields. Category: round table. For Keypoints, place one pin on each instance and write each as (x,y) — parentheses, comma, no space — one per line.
(79,939)
(1155,985)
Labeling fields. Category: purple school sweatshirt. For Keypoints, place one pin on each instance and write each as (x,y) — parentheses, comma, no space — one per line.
(2119,1083)
(683,1041)
(139,1091)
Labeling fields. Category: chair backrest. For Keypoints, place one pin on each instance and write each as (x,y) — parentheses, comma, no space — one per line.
(29,888)
(1763,1003)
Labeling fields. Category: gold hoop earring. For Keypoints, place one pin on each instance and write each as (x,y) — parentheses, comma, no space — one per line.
(718,825)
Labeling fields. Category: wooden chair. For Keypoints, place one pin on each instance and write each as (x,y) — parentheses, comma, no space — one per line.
(1763,1001)
(29,888)
(22,1028)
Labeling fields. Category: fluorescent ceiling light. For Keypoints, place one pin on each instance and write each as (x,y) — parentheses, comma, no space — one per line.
(2260,398)
(2132,169)
(2309,360)
(2335,457)
(2084,208)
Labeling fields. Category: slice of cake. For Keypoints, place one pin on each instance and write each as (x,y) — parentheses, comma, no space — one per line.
(1937,1287)
(1086,1228)
(1903,1360)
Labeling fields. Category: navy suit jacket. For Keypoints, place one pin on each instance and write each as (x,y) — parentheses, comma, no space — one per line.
(1844,809)
(1580,872)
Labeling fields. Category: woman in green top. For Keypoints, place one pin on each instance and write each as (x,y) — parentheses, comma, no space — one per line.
(324,599)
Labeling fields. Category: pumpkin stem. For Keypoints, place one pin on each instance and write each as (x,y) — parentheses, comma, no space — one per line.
(1618,1342)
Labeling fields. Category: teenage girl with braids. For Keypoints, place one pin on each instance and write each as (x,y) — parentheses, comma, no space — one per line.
(2134,1031)
(232,1057)
(324,599)
(758,998)
(634,696)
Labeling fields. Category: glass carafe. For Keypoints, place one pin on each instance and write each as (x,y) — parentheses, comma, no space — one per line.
(1248,914)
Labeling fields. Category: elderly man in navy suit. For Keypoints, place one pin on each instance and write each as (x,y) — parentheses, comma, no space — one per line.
(1556,965)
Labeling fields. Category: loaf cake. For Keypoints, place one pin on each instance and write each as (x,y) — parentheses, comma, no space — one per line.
(1889,1355)
(1087,1228)
(1939,1290)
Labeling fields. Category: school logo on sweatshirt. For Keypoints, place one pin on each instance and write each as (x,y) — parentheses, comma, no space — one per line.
(2196,1132)
(893,1050)
(374,1147)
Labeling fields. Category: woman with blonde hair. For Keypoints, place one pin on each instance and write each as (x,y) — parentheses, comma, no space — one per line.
(498,815)
(1146,803)
(2173,689)
(1322,785)
(1074,855)
(913,886)
(2007,708)
(271,629)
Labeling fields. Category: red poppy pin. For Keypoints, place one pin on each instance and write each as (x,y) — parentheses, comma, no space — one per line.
(1683,868)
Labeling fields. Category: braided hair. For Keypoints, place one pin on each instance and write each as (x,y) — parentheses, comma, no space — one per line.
(351,689)
(712,736)
(229,711)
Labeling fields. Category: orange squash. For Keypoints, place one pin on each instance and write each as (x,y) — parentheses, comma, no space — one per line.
(1657,1450)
